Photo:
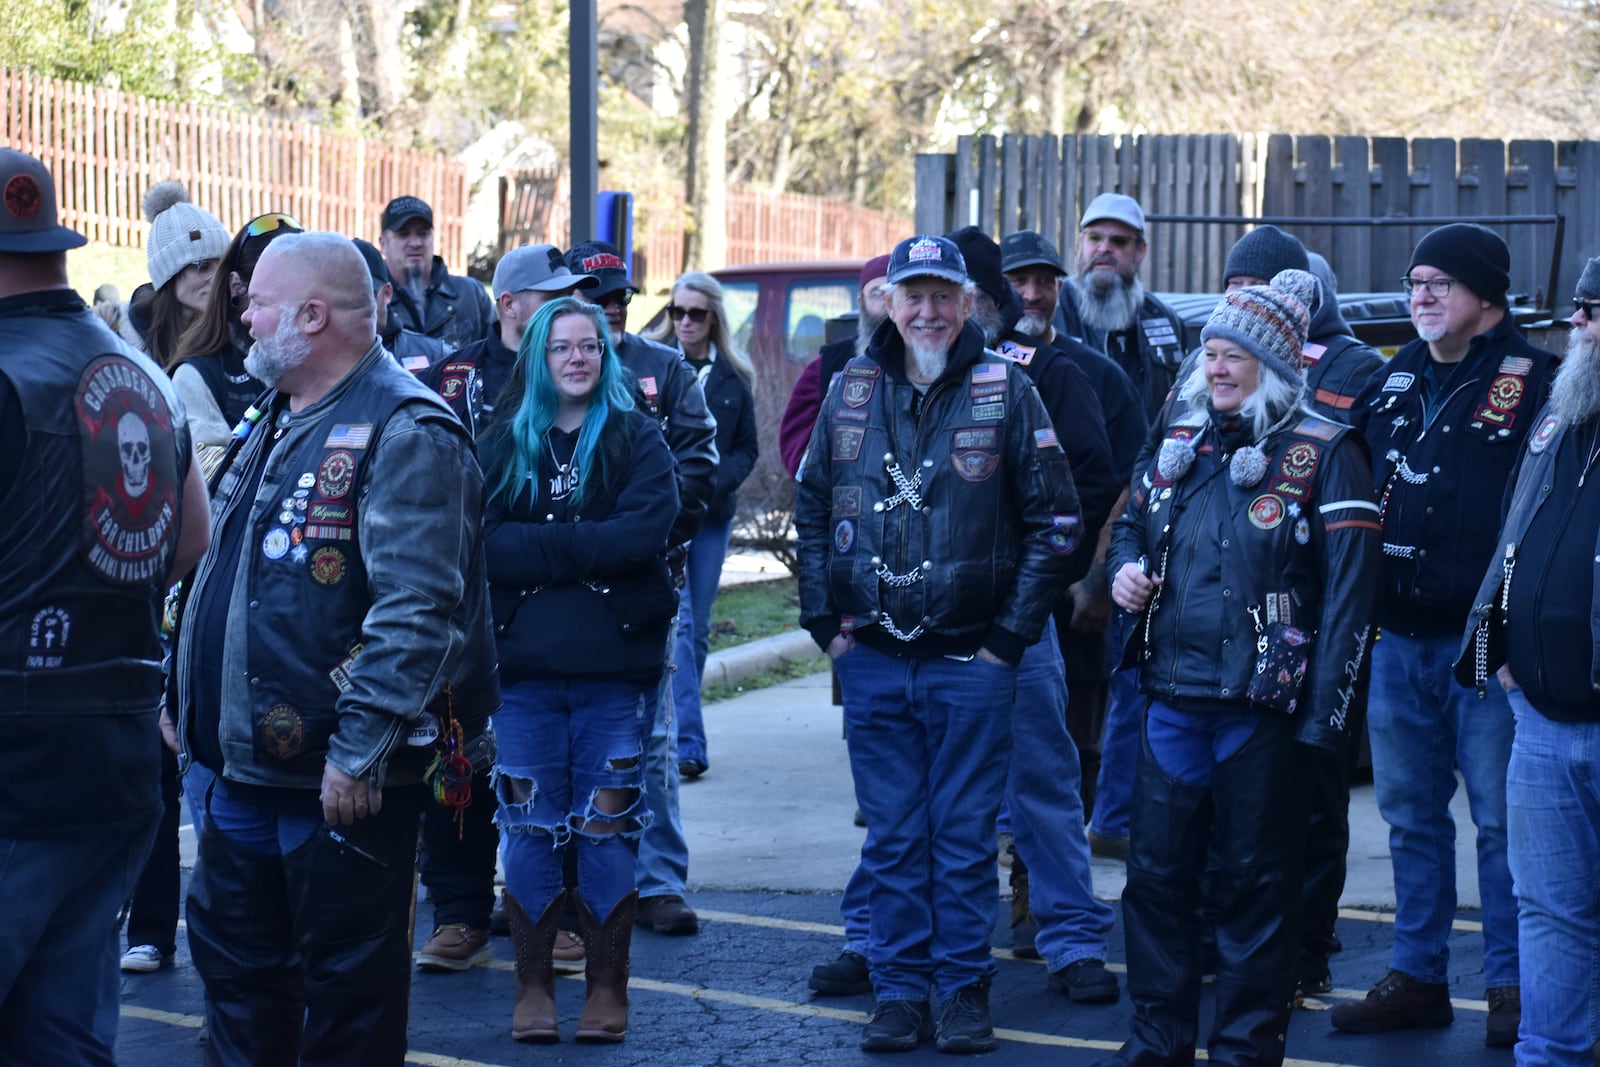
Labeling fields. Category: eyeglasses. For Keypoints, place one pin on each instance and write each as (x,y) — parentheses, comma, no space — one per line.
(205,266)
(622,297)
(268,223)
(1115,240)
(696,315)
(561,349)
(1438,286)
(1590,308)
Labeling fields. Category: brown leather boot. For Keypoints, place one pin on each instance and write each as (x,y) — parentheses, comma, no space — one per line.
(605,968)
(534,1017)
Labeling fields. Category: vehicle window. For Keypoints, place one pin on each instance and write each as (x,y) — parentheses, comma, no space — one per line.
(739,301)
(810,306)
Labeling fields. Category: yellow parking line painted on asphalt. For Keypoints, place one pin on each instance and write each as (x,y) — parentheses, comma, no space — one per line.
(1461,925)
(1459,1003)
(741,919)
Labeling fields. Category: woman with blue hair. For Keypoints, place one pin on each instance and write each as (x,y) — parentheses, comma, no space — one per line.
(581,497)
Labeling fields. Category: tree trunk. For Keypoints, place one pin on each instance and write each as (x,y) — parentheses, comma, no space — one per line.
(705,236)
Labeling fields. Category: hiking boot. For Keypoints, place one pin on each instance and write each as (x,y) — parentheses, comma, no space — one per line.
(1505,1016)
(1111,848)
(1024,928)
(455,947)
(897,1026)
(964,1021)
(142,959)
(567,952)
(668,915)
(846,976)
(1086,982)
(1397,1002)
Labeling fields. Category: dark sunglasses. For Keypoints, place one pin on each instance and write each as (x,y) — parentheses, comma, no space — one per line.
(268,223)
(623,297)
(1590,308)
(696,315)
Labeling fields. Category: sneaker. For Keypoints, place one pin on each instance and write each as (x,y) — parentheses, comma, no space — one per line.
(1505,1016)
(1086,982)
(1397,1002)
(455,947)
(142,959)
(846,976)
(964,1022)
(667,915)
(1111,848)
(897,1026)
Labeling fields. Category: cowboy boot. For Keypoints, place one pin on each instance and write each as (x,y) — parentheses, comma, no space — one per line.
(534,1017)
(605,969)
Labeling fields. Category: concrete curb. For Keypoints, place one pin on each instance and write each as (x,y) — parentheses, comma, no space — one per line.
(730,666)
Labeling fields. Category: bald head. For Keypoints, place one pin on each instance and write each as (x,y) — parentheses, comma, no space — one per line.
(328,268)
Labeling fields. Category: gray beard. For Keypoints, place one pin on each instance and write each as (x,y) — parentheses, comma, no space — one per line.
(986,317)
(866,326)
(1576,393)
(268,361)
(929,363)
(1111,308)
(1035,324)
(417,282)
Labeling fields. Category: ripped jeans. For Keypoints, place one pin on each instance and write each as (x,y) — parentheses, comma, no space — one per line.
(561,743)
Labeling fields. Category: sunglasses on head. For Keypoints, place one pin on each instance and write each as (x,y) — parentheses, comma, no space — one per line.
(696,315)
(268,223)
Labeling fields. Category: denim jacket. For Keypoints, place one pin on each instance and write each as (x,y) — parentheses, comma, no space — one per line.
(332,655)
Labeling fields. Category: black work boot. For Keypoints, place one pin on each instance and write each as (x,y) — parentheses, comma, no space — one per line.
(964,1024)
(847,976)
(897,1026)
(1397,1002)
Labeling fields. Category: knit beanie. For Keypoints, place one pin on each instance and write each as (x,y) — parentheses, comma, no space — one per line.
(983,261)
(1262,253)
(1473,255)
(1268,321)
(180,232)
(1589,281)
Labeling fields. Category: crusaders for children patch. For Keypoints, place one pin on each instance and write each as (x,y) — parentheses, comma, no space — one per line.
(1266,512)
(282,734)
(1299,460)
(1505,392)
(1544,434)
(336,474)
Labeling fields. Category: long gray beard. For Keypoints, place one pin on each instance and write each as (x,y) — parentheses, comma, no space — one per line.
(930,364)
(1112,310)
(1576,393)
(268,361)
(866,326)
(417,282)
(1035,324)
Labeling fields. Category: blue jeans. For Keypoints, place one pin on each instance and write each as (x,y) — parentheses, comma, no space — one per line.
(704,573)
(1119,754)
(58,960)
(561,742)
(929,740)
(662,867)
(1422,725)
(1047,813)
(1553,797)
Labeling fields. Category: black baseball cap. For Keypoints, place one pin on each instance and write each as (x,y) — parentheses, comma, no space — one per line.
(375,264)
(403,209)
(602,261)
(1028,248)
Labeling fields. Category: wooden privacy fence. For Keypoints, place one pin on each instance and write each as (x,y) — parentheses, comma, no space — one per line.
(105,148)
(1043,183)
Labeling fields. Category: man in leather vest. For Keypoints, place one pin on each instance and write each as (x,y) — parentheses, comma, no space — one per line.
(427,297)
(106,506)
(323,661)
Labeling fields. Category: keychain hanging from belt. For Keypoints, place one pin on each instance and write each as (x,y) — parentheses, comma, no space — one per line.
(449,776)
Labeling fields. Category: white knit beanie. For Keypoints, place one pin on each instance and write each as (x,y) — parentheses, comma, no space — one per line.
(180,232)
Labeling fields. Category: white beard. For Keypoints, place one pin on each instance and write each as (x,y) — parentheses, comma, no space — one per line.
(1430,334)
(1034,324)
(268,361)
(929,362)
(1575,396)
(866,326)
(1108,306)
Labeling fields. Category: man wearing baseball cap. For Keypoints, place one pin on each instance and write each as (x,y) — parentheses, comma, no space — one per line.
(93,437)
(1105,305)
(936,514)
(427,297)
(1445,421)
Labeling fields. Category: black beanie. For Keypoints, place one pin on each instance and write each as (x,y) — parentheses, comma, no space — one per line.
(983,262)
(1262,253)
(1473,255)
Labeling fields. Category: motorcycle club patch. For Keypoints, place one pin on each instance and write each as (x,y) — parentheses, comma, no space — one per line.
(1299,460)
(984,437)
(862,370)
(982,412)
(1266,512)
(844,536)
(336,474)
(1295,490)
(1505,392)
(857,391)
(975,465)
(1544,434)
(847,442)
(282,733)
(130,472)
(327,566)
(846,501)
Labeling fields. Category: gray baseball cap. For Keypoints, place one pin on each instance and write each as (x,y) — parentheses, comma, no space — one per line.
(541,268)
(28,219)
(1115,207)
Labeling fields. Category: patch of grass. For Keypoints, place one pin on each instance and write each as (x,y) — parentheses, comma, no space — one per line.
(786,671)
(97,263)
(751,610)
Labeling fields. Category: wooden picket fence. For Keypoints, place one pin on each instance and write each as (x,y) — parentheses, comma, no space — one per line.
(104,148)
(1201,192)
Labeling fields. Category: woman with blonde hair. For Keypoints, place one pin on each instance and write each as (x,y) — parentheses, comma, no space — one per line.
(697,324)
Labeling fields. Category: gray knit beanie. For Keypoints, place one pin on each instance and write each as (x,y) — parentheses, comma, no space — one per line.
(1262,253)
(1589,281)
(1268,321)
(181,233)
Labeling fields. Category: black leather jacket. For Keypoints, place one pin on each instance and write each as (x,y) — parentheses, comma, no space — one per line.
(455,309)
(949,516)
(670,392)
(1308,532)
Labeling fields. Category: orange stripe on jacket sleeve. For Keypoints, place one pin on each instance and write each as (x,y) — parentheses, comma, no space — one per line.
(1335,400)
(1360,524)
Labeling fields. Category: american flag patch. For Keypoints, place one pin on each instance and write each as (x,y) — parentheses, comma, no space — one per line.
(346,435)
(989,372)
(1516,365)
(1045,438)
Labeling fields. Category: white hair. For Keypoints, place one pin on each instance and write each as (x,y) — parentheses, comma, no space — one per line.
(1273,400)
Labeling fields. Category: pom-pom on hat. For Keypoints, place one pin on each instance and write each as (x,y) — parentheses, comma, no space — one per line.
(1268,321)
(181,233)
